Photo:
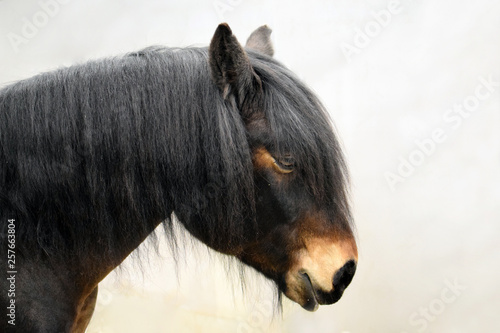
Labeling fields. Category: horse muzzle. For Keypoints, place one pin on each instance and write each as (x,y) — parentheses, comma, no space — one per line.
(316,296)
(321,274)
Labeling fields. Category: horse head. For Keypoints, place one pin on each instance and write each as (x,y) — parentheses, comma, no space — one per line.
(303,236)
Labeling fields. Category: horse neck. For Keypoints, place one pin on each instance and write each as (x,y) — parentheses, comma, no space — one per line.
(155,168)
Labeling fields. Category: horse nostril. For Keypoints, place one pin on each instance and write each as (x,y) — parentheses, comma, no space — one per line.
(344,276)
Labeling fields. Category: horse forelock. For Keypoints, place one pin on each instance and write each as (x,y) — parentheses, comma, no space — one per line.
(301,126)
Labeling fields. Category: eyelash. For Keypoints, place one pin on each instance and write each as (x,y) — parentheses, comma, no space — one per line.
(285,164)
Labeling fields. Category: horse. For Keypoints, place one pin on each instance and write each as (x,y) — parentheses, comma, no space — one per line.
(224,139)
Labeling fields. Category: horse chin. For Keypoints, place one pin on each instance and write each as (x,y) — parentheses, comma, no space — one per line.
(299,288)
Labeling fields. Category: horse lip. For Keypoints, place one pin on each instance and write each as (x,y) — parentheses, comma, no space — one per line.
(311,303)
(316,297)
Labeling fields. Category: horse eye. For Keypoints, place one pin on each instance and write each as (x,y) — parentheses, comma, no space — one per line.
(284,164)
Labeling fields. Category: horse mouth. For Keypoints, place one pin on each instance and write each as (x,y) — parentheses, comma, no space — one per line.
(311,299)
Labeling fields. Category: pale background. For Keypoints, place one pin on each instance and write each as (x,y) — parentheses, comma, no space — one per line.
(439,227)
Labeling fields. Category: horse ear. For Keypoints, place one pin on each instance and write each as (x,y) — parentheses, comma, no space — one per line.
(230,67)
(260,41)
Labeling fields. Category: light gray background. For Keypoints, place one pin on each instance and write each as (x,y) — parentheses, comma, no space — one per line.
(437,229)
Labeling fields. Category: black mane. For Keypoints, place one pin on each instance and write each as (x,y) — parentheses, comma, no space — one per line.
(112,146)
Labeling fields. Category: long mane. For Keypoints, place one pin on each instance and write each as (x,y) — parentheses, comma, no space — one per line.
(95,152)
